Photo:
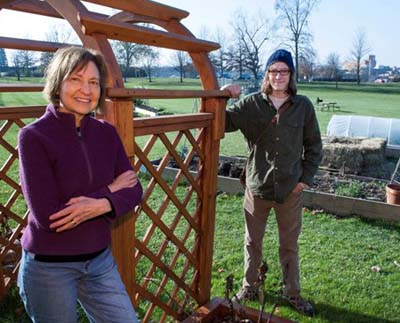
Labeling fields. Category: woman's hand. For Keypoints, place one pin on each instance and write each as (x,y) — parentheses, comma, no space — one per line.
(125,180)
(78,210)
(300,187)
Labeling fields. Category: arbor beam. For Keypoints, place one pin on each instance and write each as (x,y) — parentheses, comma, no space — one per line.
(165,94)
(32,6)
(92,24)
(145,8)
(20,88)
(28,44)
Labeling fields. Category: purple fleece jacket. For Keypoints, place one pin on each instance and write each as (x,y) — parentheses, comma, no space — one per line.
(57,164)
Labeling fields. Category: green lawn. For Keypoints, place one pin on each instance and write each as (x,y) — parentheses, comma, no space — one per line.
(336,259)
(337,256)
(381,100)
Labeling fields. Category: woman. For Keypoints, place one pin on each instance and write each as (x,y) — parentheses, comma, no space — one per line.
(76,179)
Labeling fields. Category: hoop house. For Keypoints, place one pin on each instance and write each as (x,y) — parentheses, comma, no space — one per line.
(364,126)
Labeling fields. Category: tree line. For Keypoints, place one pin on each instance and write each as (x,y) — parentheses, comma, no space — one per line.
(242,51)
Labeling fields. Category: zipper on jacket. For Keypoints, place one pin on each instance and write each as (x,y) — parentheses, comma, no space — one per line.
(85,155)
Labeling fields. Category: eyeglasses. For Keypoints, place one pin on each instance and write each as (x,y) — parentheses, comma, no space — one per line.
(281,72)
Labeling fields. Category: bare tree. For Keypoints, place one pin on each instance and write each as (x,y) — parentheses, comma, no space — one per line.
(307,63)
(253,32)
(360,49)
(149,58)
(55,34)
(180,61)
(16,60)
(295,14)
(218,58)
(126,53)
(333,67)
(28,61)
(235,57)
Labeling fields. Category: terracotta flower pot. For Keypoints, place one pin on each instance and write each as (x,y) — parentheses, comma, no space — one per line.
(393,193)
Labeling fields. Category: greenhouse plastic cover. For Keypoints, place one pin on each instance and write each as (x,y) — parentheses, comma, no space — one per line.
(364,126)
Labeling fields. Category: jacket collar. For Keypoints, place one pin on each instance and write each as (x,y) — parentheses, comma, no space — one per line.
(66,118)
(292,98)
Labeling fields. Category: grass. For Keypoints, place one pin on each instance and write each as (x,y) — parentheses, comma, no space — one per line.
(375,100)
(379,100)
(336,260)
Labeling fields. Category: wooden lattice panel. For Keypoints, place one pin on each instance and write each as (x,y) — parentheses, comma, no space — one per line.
(13,210)
(167,228)
(167,235)
(174,231)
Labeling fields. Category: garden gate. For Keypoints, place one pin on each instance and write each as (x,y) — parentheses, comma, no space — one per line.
(164,251)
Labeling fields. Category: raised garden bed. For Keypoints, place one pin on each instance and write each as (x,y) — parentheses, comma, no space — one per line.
(342,206)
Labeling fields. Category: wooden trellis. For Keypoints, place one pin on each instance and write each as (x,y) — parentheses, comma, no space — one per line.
(164,250)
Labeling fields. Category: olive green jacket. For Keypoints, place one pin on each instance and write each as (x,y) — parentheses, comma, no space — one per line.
(288,151)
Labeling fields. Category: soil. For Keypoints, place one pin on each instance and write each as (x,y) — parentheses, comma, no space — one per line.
(330,181)
(327,180)
(351,185)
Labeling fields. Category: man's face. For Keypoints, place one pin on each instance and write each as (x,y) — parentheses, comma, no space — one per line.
(279,77)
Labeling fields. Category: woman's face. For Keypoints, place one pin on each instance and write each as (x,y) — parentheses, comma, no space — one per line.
(80,92)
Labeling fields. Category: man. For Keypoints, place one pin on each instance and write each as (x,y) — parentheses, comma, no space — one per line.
(284,139)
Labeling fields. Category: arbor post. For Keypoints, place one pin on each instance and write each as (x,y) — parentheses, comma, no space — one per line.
(120,114)
(209,188)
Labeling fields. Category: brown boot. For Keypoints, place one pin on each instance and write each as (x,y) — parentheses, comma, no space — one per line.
(301,305)
(246,294)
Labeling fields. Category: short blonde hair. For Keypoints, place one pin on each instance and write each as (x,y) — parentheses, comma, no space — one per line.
(64,62)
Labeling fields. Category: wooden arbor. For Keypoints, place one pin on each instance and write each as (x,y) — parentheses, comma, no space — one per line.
(164,251)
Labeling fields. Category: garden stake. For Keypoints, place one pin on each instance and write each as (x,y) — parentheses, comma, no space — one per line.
(228,290)
(272,312)
(262,273)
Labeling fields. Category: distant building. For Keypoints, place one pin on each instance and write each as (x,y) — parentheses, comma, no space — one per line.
(372,61)
(350,69)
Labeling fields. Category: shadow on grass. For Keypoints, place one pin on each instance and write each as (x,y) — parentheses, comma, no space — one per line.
(334,314)
(390,226)
(326,312)
(341,111)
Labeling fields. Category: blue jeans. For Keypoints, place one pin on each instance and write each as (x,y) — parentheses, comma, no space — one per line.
(50,291)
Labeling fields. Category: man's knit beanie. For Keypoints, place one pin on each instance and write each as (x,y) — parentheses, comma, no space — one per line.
(281,55)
